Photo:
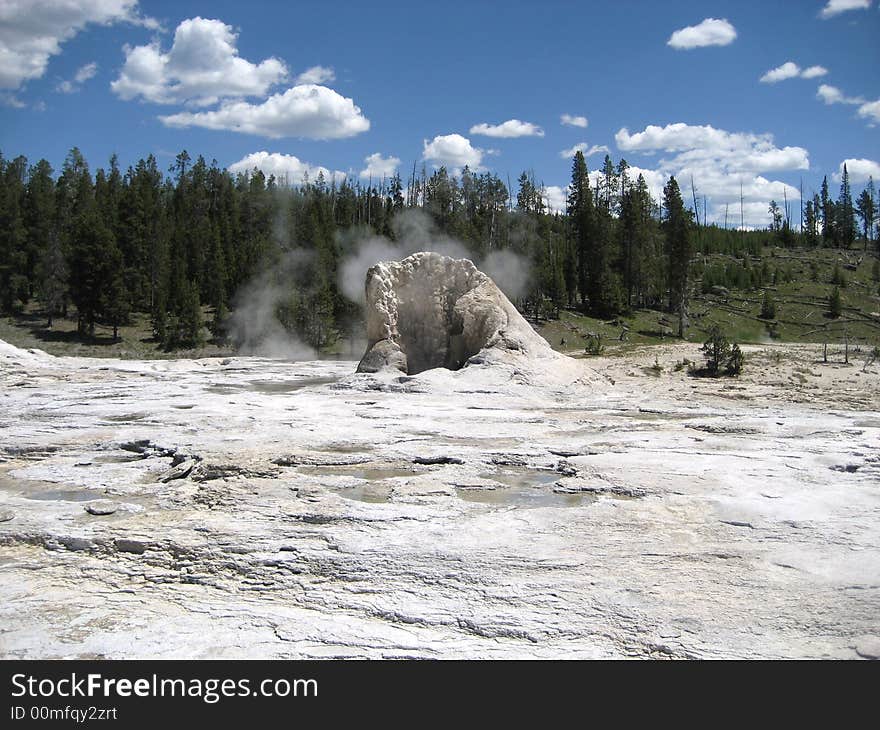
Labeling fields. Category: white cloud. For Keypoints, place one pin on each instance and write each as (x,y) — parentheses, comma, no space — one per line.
(585,148)
(286,168)
(711,32)
(32,31)
(308,111)
(814,72)
(788,70)
(83,74)
(11,101)
(833,95)
(859,170)
(555,198)
(453,151)
(510,128)
(316,75)
(719,161)
(870,110)
(202,67)
(836,7)
(379,167)
(570,121)
(737,150)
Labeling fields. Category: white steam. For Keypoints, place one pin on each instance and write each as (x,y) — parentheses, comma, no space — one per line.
(414,231)
(254,326)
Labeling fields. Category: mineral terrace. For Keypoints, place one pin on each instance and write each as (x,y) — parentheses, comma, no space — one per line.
(248,507)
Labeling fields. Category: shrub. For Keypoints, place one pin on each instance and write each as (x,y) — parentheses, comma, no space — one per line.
(717,350)
(768,307)
(594,345)
(735,360)
(835,306)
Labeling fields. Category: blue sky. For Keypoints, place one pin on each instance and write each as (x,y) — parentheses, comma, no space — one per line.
(673,87)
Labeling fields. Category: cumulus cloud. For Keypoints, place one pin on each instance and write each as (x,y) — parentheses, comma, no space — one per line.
(836,7)
(32,31)
(585,148)
(316,75)
(859,170)
(306,111)
(83,74)
(711,32)
(287,169)
(790,70)
(870,110)
(453,151)
(378,167)
(571,121)
(555,198)
(720,162)
(833,95)
(201,68)
(737,150)
(510,128)
(814,72)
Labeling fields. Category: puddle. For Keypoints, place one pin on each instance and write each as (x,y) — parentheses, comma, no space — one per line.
(344,448)
(524,487)
(370,474)
(126,417)
(371,490)
(47,491)
(366,493)
(65,495)
(525,497)
(270,386)
(522,477)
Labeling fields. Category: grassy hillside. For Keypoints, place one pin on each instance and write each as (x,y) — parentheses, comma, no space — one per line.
(801,297)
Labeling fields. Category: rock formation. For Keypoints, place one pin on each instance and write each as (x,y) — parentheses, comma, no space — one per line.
(429,311)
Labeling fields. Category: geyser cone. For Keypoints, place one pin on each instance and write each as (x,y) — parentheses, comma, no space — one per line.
(430,311)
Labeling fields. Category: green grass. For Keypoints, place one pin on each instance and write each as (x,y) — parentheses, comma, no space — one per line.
(801,309)
(28,330)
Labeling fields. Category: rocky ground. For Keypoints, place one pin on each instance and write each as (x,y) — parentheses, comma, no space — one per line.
(258,508)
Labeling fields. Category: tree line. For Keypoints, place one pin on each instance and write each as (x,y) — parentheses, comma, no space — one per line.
(179,245)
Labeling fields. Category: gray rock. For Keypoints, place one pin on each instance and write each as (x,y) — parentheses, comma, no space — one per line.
(180,471)
(428,460)
(76,544)
(868,647)
(6,515)
(130,546)
(101,507)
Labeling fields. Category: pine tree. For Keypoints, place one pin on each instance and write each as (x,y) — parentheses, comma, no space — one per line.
(14,284)
(39,220)
(95,270)
(716,348)
(768,306)
(866,210)
(580,216)
(826,208)
(676,226)
(52,278)
(846,225)
(835,305)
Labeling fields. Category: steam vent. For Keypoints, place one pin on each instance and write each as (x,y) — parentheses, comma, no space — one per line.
(431,311)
